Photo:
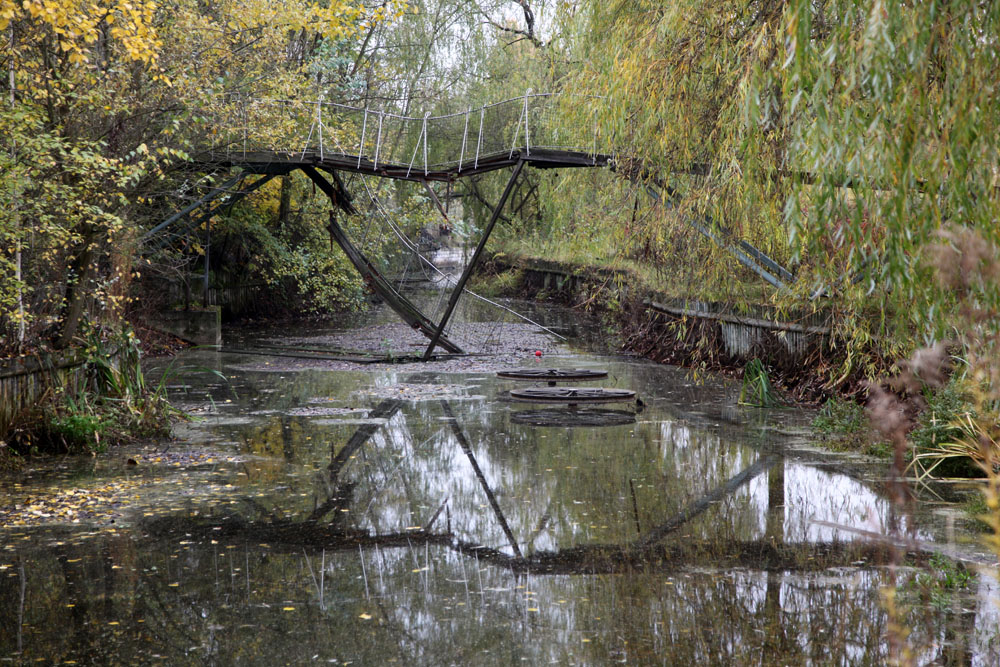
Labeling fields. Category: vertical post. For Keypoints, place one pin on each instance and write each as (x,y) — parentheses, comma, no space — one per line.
(457,293)
(413,158)
(594,154)
(305,146)
(465,134)
(246,124)
(479,142)
(319,121)
(208,245)
(426,114)
(517,129)
(364,127)
(378,138)
(527,138)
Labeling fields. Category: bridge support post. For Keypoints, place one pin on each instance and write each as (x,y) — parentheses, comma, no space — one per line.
(434,198)
(375,280)
(208,248)
(464,278)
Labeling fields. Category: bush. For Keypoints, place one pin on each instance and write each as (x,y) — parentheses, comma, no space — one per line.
(80,431)
(843,425)
(115,405)
(940,426)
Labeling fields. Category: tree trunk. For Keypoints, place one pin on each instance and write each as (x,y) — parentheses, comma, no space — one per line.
(285,202)
(78,288)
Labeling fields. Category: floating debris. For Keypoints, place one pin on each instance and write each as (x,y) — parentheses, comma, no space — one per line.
(420,392)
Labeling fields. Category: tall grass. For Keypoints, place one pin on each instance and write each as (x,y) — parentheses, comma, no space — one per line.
(965,263)
(114,404)
(757,389)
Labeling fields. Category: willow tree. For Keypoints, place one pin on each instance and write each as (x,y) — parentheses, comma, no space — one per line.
(665,86)
(838,135)
(902,103)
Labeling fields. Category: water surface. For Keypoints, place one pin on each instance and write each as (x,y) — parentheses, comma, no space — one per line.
(404,513)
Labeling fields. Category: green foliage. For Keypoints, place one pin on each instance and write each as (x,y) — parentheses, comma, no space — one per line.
(100,101)
(756,389)
(64,199)
(838,416)
(79,429)
(908,109)
(843,426)
(976,509)
(114,405)
(940,582)
(507,283)
(840,137)
(672,95)
(942,424)
(294,256)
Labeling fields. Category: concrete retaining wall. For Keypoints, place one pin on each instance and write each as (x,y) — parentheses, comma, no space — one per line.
(201,327)
(744,333)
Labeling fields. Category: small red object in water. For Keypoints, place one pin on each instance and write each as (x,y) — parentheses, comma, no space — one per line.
(538,353)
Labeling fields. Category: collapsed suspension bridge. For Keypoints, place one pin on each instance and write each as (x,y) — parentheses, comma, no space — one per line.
(265,138)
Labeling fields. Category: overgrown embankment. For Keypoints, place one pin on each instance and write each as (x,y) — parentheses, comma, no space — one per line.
(80,402)
(799,351)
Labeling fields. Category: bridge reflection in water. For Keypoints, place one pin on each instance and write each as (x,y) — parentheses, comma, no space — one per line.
(372,529)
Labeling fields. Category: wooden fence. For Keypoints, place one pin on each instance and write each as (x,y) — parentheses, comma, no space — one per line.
(23,380)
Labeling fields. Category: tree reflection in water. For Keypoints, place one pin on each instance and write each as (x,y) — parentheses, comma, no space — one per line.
(720,572)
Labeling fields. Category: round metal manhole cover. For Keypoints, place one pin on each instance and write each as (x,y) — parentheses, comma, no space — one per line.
(566,417)
(553,375)
(572,396)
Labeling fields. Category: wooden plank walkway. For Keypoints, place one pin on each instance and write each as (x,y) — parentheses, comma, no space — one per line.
(281,162)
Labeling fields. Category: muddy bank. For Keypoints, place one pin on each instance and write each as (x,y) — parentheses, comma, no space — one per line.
(493,346)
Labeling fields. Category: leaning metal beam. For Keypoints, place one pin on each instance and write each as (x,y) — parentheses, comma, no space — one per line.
(437,202)
(457,293)
(695,508)
(410,313)
(229,203)
(383,412)
(463,442)
(741,256)
(187,209)
(637,173)
(768,263)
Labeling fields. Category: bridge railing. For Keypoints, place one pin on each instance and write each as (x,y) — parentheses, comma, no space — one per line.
(244,125)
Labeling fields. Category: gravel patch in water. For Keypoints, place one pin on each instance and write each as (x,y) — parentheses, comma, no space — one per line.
(491,347)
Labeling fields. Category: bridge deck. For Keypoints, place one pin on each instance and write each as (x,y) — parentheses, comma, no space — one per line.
(281,162)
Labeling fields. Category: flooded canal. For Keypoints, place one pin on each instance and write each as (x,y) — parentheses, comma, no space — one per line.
(317,510)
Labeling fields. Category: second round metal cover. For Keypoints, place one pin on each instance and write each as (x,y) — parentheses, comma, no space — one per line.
(553,374)
(567,395)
